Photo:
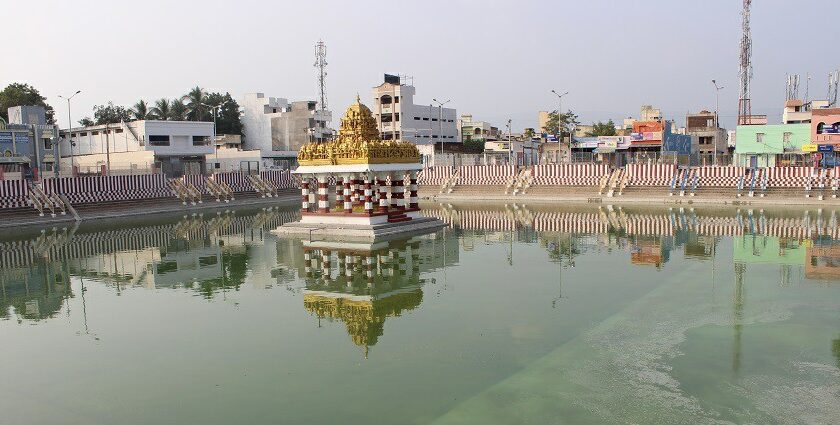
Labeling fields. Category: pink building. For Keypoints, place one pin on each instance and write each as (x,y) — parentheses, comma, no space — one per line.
(825,126)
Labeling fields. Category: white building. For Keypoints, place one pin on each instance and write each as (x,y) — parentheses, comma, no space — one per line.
(175,147)
(400,118)
(278,128)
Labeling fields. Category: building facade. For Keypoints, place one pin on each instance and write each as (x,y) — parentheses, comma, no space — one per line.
(278,128)
(400,118)
(708,137)
(772,145)
(28,144)
(174,147)
(476,131)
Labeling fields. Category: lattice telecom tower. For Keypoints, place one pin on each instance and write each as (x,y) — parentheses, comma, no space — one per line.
(745,73)
(321,66)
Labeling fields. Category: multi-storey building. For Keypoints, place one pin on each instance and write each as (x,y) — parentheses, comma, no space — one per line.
(400,118)
(173,147)
(476,131)
(708,137)
(278,128)
(28,144)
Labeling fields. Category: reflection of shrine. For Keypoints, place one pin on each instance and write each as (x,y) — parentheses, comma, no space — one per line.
(649,251)
(362,284)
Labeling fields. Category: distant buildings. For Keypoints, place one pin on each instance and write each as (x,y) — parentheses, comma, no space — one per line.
(28,144)
(476,131)
(174,147)
(400,118)
(278,128)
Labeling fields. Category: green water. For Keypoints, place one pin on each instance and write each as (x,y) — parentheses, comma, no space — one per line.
(213,320)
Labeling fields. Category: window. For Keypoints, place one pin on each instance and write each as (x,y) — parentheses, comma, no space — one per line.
(156,140)
(118,130)
(199,140)
(274,110)
(397,116)
(425,118)
(94,133)
(48,144)
(416,118)
(396,99)
(759,137)
(217,165)
(434,119)
(820,127)
(786,138)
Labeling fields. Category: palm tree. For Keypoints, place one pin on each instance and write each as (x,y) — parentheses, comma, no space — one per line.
(177,110)
(161,109)
(140,110)
(194,101)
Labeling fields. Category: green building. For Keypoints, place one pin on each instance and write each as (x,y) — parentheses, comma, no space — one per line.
(770,145)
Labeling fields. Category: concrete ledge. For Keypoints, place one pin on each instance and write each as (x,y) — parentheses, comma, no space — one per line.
(359,233)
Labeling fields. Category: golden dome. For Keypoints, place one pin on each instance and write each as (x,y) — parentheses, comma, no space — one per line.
(358,143)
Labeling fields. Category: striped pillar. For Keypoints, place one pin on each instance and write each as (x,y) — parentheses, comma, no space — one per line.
(367,197)
(383,196)
(304,191)
(326,268)
(323,197)
(412,190)
(339,193)
(369,269)
(348,203)
(356,196)
(396,193)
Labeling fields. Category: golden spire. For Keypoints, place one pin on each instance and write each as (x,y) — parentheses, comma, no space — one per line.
(358,143)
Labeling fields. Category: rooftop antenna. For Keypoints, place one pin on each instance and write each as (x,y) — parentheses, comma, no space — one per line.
(745,73)
(792,91)
(321,66)
(833,79)
(807,87)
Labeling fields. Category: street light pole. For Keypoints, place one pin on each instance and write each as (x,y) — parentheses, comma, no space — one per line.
(717,123)
(440,121)
(560,111)
(215,109)
(69,131)
(510,145)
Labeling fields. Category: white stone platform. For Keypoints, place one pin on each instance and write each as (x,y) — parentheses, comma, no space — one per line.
(358,232)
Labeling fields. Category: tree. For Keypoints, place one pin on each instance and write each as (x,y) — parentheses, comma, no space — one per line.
(86,122)
(194,101)
(561,124)
(140,110)
(161,109)
(110,114)
(529,133)
(602,129)
(17,94)
(177,110)
(228,119)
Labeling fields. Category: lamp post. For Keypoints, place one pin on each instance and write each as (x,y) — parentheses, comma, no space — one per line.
(440,120)
(510,145)
(215,108)
(69,130)
(560,111)
(717,124)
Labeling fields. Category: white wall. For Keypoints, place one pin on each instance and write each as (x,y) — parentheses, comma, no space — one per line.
(256,119)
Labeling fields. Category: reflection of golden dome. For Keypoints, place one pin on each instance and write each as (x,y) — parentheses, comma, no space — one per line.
(358,143)
(365,320)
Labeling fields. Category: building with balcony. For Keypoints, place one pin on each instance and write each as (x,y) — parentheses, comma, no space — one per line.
(708,137)
(476,131)
(28,144)
(173,147)
(278,128)
(400,118)
(799,112)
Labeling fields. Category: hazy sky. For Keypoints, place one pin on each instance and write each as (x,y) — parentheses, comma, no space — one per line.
(494,59)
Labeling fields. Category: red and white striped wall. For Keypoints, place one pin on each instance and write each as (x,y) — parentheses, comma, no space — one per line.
(485,174)
(13,193)
(435,176)
(89,189)
(719,176)
(650,174)
(583,174)
(788,176)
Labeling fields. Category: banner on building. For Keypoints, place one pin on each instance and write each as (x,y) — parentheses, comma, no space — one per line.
(809,148)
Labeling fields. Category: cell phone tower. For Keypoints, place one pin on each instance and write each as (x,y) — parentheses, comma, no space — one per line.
(321,66)
(745,72)
(833,81)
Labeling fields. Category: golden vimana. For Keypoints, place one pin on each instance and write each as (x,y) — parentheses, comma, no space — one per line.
(358,142)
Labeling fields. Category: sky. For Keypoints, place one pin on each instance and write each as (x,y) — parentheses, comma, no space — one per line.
(496,60)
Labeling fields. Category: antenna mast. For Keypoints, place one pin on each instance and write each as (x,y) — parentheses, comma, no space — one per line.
(745,73)
(833,80)
(792,91)
(321,66)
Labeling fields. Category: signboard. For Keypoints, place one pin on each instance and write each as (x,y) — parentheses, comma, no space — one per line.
(809,148)
(616,142)
(831,129)
(5,137)
(47,133)
(825,148)
(21,138)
